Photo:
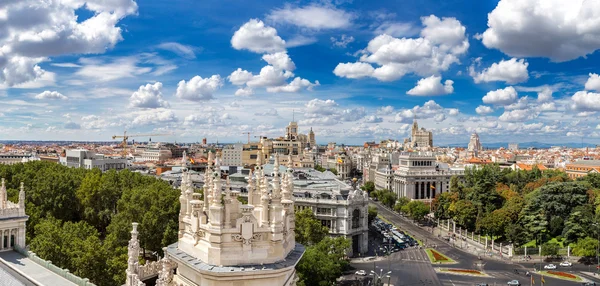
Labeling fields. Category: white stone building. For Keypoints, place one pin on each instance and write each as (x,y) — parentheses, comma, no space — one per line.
(81,158)
(474,146)
(10,159)
(232,155)
(12,220)
(420,177)
(420,138)
(343,166)
(222,242)
(156,153)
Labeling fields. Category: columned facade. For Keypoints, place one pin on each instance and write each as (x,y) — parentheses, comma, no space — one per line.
(420,177)
(12,220)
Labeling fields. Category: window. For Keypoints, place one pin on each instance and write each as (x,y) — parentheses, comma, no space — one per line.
(356,218)
(253,156)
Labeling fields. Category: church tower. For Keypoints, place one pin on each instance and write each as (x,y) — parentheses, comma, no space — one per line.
(291,131)
(223,242)
(311,139)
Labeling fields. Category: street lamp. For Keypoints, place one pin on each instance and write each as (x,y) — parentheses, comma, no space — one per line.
(379,276)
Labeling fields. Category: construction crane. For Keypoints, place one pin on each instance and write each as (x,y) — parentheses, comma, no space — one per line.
(248,133)
(126,137)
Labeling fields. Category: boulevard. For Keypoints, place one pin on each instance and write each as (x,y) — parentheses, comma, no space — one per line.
(411,266)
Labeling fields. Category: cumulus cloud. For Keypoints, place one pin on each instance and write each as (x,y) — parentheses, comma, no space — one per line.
(256,37)
(198,88)
(269,76)
(385,110)
(511,71)
(159,116)
(182,50)
(280,61)
(483,110)
(515,115)
(313,17)
(588,101)
(268,112)
(148,96)
(453,111)
(50,95)
(552,29)
(593,82)
(246,91)
(429,110)
(343,41)
(325,112)
(294,86)
(432,86)
(71,125)
(504,96)
(55,31)
(442,41)
(372,119)
(545,95)
(240,77)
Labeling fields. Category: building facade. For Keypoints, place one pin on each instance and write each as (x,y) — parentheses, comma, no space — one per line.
(81,158)
(233,154)
(12,220)
(223,242)
(10,159)
(420,138)
(581,168)
(474,146)
(420,177)
(156,153)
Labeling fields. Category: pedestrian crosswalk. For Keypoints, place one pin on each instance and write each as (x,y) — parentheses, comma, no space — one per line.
(410,255)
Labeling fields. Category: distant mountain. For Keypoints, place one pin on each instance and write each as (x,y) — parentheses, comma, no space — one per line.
(525,145)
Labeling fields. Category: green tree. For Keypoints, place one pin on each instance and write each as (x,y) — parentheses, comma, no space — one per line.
(319,168)
(579,224)
(324,262)
(401,202)
(495,223)
(556,226)
(372,213)
(309,230)
(464,213)
(368,186)
(416,209)
(586,247)
(550,249)
(387,198)
(334,171)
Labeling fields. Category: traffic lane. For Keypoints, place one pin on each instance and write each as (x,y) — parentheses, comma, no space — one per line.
(408,267)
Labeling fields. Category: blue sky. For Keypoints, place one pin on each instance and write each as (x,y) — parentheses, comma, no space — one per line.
(511,70)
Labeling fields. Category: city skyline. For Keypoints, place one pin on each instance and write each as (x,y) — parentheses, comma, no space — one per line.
(352,71)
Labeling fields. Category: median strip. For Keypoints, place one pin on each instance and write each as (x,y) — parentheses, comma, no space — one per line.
(435,257)
(464,272)
(561,275)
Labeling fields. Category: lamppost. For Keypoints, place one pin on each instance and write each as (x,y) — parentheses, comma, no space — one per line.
(388,248)
(377,277)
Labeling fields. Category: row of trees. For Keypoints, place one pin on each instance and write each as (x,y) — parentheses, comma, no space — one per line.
(525,207)
(80,220)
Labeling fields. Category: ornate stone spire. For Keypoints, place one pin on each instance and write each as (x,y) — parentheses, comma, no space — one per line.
(276,194)
(3,195)
(165,274)
(227,190)
(216,192)
(250,188)
(184,159)
(208,184)
(22,196)
(133,252)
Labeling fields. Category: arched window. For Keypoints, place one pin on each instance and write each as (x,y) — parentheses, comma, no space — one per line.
(356,218)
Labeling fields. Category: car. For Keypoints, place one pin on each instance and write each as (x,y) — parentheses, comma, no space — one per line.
(550,266)
(482,284)
(361,273)
(588,283)
(514,283)
(566,264)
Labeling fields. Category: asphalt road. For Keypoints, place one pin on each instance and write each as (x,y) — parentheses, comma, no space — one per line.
(412,267)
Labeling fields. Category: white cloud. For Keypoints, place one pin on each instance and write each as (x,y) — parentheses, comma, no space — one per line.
(95,122)
(545,95)
(515,115)
(522,103)
(554,29)
(268,112)
(300,40)
(198,88)
(148,96)
(327,112)
(55,31)
(246,91)
(50,95)
(385,110)
(119,68)
(256,37)
(312,17)
(547,106)
(593,82)
(280,61)
(353,70)
(504,96)
(483,110)
(587,101)
(343,41)
(184,51)
(440,44)
(396,29)
(432,86)
(240,77)
(439,117)
(372,119)
(269,76)
(511,71)
(71,125)
(453,111)
(157,116)
(294,86)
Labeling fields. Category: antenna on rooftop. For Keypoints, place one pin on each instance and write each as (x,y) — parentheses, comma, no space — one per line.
(293,115)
